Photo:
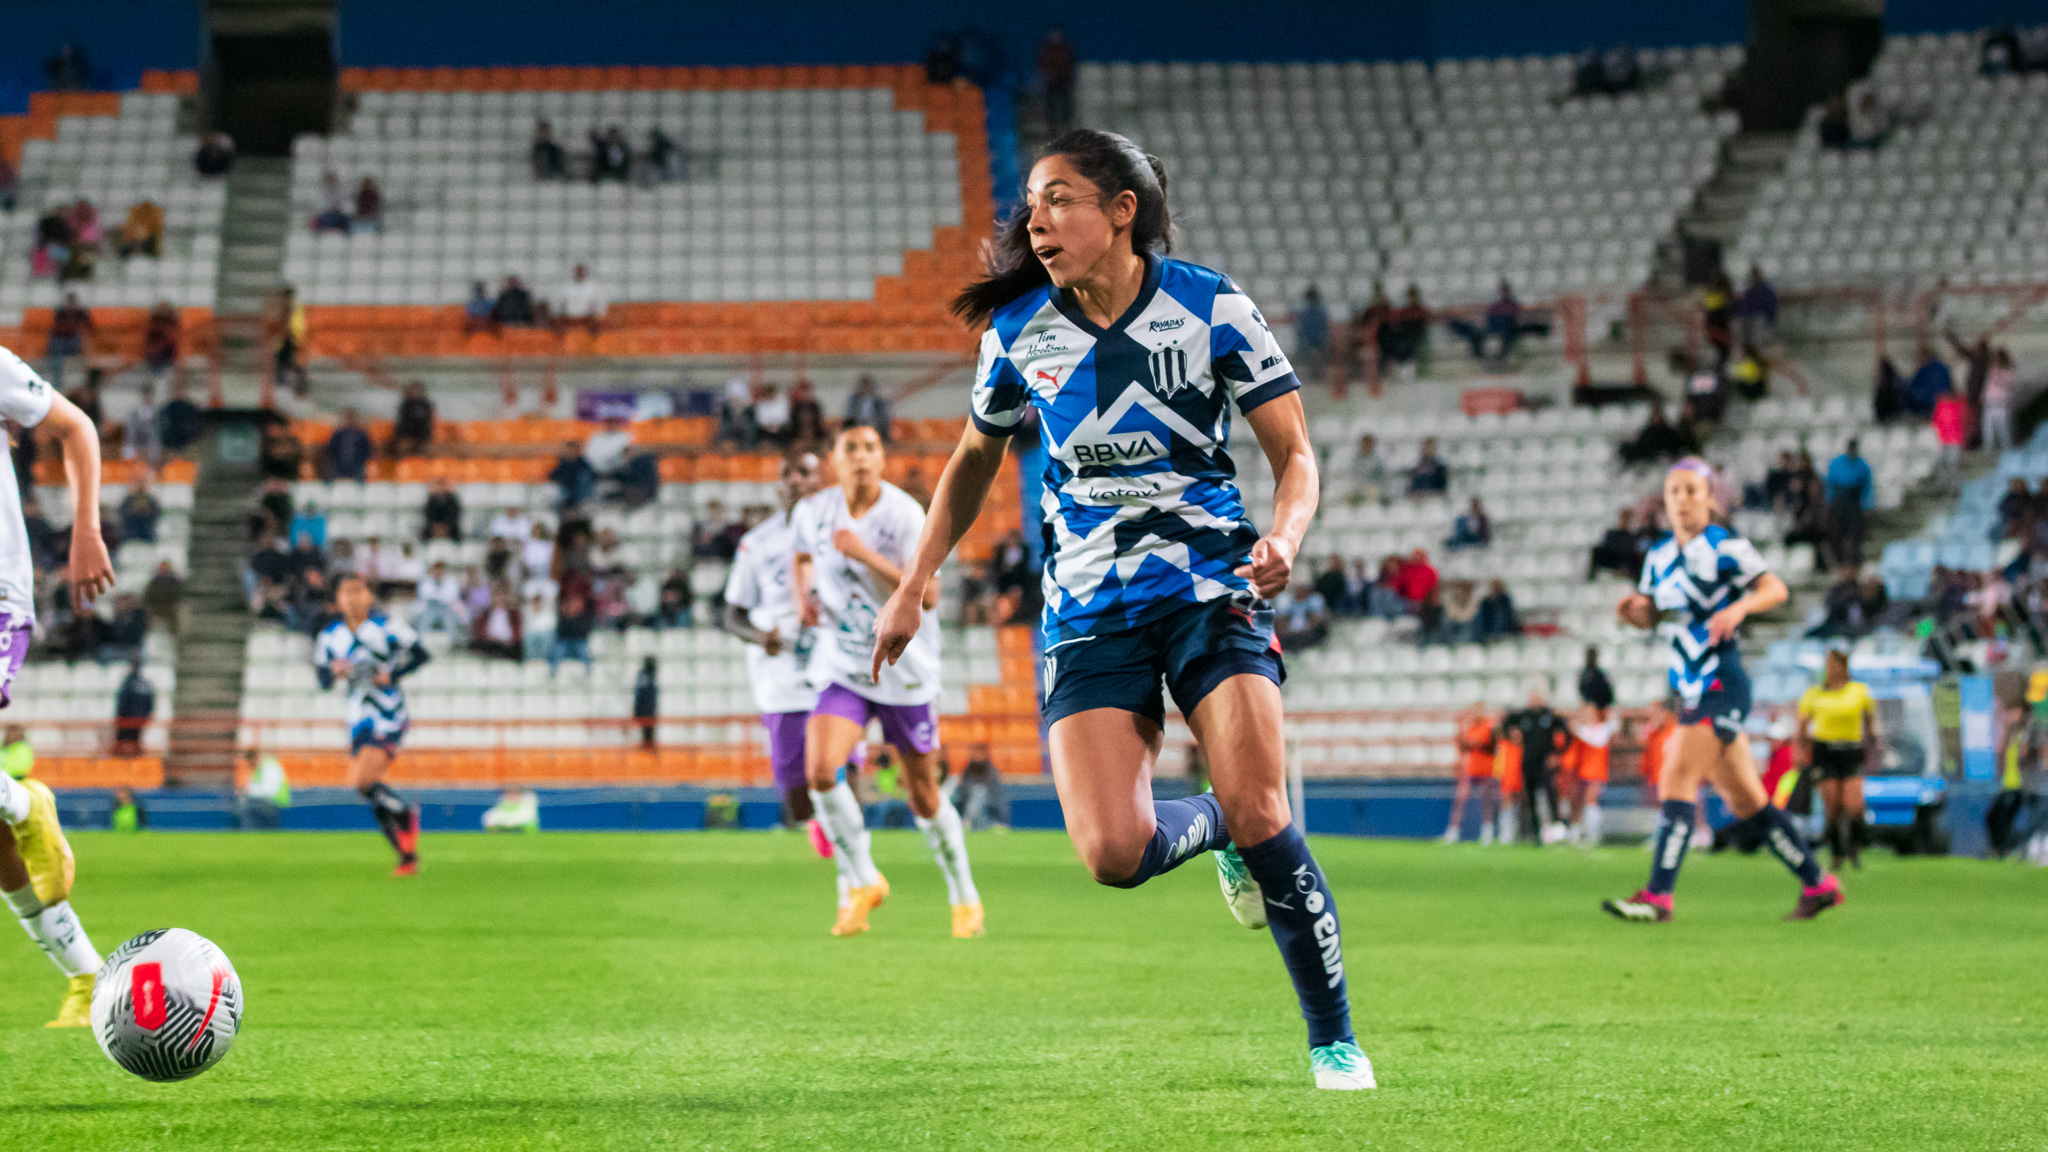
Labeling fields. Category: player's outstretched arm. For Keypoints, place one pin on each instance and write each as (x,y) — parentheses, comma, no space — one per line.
(963,488)
(740,622)
(92,570)
(1282,429)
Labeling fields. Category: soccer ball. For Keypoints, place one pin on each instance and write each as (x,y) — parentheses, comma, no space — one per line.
(167,1005)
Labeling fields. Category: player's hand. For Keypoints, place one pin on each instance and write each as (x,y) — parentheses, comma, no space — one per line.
(1721,625)
(341,668)
(92,570)
(807,613)
(895,626)
(772,642)
(382,678)
(1271,565)
(1636,610)
(850,544)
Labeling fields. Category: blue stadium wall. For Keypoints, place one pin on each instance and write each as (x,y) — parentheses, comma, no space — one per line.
(120,38)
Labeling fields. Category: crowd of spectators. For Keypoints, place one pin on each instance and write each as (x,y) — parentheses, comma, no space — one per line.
(113,629)
(361,211)
(609,157)
(756,415)
(581,302)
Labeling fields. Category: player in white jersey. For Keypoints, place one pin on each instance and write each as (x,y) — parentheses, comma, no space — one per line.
(853,542)
(760,608)
(372,653)
(36,865)
(1135,364)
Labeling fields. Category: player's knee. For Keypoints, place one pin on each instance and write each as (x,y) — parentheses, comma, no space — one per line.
(1112,860)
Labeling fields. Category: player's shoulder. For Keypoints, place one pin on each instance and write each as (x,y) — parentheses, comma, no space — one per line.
(332,631)
(761,535)
(900,503)
(1010,319)
(1663,550)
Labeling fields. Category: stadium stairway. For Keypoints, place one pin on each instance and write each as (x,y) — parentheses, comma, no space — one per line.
(251,264)
(1747,161)
(211,652)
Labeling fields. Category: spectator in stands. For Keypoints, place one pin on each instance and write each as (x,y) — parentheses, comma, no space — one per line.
(86,236)
(736,414)
(549,162)
(866,408)
(53,244)
(1417,578)
(308,523)
(1504,322)
(1998,401)
(806,417)
(290,330)
(1851,492)
(1460,599)
(1834,122)
(1429,476)
(142,233)
(1756,313)
(1594,686)
(663,161)
(139,512)
(1312,337)
(1368,471)
(1407,327)
(575,619)
(477,310)
(70,325)
(1383,599)
(1609,72)
(1869,121)
(1358,584)
(437,606)
(1717,315)
(672,609)
(1658,441)
(497,629)
(10,185)
(160,339)
(572,476)
(537,551)
(134,704)
(216,154)
(348,451)
(2014,509)
(369,206)
(771,415)
(1497,616)
(611,158)
(333,214)
(413,430)
(268,563)
(1330,585)
(515,307)
(1301,618)
(610,454)
(511,524)
(1843,606)
(1931,381)
(583,303)
(443,513)
(1619,550)
(1472,529)
(125,631)
(164,597)
(139,439)
(1056,62)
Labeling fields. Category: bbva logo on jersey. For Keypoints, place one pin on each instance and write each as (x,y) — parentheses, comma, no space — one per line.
(1169,371)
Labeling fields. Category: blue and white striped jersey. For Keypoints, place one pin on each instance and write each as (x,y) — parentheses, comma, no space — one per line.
(1709,573)
(1141,507)
(380,644)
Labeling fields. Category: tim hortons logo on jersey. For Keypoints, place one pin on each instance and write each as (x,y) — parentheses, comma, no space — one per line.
(1115,452)
(1169,371)
(1046,343)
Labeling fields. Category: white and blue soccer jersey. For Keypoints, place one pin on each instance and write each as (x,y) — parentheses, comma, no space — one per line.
(376,713)
(1709,573)
(1141,509)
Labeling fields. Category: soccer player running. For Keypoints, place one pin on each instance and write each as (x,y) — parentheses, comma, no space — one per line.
(36,865)
(852,547)
(1475,772)
(371,653)
(1838,734)
(1134,361)
(761,609)
(1711,579)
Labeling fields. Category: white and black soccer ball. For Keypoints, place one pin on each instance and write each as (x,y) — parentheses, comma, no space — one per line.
(167,1005)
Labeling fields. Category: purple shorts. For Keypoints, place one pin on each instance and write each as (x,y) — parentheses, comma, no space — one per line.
(14,641)
(786,746)
(910,727)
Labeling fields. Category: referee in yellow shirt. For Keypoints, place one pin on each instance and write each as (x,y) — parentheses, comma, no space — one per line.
(1838,735)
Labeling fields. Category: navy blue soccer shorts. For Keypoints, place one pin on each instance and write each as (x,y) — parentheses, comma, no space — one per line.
(1192,649)
(1724,703)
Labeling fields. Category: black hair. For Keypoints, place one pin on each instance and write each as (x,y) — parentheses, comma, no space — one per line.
(1110,162)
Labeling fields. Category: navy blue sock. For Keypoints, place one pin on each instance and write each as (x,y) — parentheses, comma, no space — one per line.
(1303,916)
(1782,837)
(1181,830)
(1674,833)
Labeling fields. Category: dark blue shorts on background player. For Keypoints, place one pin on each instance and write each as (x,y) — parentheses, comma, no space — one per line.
(1194,648)
(1725,701)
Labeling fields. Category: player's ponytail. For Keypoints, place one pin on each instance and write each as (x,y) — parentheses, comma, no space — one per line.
(1110,162)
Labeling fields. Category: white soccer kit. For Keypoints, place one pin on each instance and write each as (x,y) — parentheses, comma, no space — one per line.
(763,581)
(851,596)
(25,399)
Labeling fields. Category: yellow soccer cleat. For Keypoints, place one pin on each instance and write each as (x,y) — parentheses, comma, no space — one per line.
(76,1011)
(44,851)
(853,917)
(967,921)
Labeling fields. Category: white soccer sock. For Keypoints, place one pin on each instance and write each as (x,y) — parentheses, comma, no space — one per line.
(1508,813)
(839,814)
(57,931)
(948,839)
(14,800)
(23,901)
(845,889)
(1591,820)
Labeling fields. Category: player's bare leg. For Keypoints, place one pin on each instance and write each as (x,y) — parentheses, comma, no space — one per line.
(397,819)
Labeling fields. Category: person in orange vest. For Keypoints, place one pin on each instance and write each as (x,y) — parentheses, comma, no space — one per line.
(1476,742)
(1591,736)
(1507,774)
(1656,736)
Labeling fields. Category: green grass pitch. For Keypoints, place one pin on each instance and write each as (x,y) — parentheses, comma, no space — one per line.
(680,991)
